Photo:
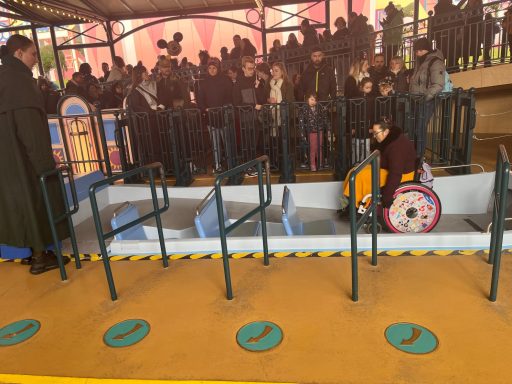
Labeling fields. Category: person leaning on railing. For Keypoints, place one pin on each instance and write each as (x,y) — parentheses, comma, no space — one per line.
(25,154)
(397,165)
(428,79)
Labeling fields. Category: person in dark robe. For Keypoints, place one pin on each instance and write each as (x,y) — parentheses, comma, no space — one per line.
(25,154)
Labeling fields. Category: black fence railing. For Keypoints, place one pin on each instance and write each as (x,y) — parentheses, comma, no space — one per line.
(332,136)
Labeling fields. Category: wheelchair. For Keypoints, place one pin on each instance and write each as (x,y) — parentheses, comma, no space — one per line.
(416,208)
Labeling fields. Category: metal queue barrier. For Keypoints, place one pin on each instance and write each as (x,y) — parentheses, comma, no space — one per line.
(357,222)
(263,204)
(149,172)
(188,142)
(498,217)
(59,173)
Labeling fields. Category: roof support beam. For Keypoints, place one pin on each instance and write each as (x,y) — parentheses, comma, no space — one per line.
(178,4)
(152,5)
(127,7)
(94,8)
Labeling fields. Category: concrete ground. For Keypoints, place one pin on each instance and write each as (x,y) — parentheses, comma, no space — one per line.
(327,337)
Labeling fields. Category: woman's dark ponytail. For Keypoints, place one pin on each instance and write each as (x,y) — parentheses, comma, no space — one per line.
(14,43)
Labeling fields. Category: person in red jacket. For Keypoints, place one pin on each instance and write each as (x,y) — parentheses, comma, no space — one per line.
(397,165)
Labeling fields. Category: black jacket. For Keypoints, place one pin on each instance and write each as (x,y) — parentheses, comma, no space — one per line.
(215,91)
(326,86)
(398,157)
(169,90)
(244,85)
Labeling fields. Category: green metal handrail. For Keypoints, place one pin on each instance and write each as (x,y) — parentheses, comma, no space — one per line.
(498,217)
(157,211)
(224,231)
(53,221)
(356,224)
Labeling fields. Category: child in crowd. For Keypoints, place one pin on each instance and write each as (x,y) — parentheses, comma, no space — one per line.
(361,140)
(313,121)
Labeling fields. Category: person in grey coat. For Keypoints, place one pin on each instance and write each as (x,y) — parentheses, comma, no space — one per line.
(427,79)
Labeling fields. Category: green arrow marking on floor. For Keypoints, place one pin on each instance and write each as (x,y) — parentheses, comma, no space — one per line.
(411,338)
(18,332)
(126,333)
(259,336)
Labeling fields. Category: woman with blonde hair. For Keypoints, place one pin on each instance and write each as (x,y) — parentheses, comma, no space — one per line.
(358,71)
(278,89)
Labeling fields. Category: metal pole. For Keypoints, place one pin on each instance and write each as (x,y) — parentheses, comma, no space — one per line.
(262,211)
(375,202)
(103,140)
(353,237)
(498,228)
(416,16)
(36,43)
(158,219)
(327,15)
(349,7)
(56,56)
(223,242)
(263,34)
(110,40)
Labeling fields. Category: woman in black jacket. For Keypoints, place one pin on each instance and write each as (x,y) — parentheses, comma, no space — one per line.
(25,154)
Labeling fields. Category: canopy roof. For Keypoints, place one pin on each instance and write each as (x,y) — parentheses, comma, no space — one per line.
(62,12)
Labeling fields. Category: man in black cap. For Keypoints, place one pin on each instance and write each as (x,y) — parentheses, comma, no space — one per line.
(318,77)
(428,79)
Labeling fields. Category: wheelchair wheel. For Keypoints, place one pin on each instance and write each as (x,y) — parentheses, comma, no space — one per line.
(416,208)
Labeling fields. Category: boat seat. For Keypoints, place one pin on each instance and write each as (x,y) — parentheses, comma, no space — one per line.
(294,226)
(125,214)
(207,222)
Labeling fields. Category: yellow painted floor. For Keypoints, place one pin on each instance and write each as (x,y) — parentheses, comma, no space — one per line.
(327,337)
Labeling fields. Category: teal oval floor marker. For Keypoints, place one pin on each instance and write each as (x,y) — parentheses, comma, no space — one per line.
(411,338)
(18,332)
(126,333)
(259,336)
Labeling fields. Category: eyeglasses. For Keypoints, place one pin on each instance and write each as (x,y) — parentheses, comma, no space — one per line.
(375,134)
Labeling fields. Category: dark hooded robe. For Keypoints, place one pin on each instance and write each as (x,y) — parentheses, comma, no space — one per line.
(25,153)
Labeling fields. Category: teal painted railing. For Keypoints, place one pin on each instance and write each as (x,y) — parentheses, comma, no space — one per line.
(263,204)
(357,223)
(145,171)
(498,217)
(60,173)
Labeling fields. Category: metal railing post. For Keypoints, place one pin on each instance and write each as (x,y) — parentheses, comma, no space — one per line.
(103,141)
(53,221)
(157,211)
(498,220)
(340,157)
(287,163)
(355,223)
(263,204)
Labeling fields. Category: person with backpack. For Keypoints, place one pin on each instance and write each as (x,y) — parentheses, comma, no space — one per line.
(428,79)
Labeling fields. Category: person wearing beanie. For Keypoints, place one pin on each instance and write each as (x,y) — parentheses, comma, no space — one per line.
(318,77)
(427,79)
(215,91)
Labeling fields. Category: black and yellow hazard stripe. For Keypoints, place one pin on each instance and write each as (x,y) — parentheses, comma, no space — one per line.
(279,255)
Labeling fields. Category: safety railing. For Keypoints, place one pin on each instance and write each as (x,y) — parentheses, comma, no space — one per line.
(498,217)
(146,171)
(263,204)
(53,191)
(83,142)
(356,223)
(185,141)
